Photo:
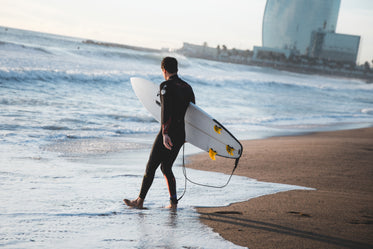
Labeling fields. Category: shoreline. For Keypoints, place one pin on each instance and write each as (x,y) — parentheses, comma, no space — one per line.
(338,214)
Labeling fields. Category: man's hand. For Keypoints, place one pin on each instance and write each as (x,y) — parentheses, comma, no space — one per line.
(167,142)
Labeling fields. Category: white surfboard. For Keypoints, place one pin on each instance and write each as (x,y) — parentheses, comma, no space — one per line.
(201,129)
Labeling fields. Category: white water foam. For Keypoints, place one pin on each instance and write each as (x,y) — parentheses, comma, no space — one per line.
(77,203)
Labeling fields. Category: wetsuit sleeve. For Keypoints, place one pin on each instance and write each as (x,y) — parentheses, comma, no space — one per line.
(166,108)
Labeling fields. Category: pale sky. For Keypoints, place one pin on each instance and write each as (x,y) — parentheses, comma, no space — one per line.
(168,23)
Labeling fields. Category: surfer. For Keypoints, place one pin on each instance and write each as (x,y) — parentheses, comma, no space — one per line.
(175,96)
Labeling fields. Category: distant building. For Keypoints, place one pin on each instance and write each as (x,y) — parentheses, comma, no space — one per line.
(199,51)
(305,27)
(218,53)
(334,46)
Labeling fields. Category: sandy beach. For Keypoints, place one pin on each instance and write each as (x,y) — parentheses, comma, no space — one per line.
(338,214)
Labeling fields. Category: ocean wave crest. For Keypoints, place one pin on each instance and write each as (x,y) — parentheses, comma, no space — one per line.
(55,75)
(132,118)
(16,46)
(367,111)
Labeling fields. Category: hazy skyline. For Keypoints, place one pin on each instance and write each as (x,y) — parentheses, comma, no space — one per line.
(167,23)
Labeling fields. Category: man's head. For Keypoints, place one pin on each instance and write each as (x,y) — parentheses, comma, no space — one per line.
(169,64)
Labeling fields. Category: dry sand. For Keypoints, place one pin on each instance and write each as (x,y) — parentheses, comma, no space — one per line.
(338,214)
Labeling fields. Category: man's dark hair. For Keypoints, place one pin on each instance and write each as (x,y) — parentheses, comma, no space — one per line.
(169,64)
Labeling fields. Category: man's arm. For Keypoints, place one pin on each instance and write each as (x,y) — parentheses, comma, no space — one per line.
(166,106)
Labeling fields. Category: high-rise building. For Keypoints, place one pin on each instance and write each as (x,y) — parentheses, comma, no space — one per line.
(306,27)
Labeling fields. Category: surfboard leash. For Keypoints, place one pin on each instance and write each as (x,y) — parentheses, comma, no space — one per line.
(201,184)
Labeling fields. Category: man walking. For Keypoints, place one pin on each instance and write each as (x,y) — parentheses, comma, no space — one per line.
(175,95)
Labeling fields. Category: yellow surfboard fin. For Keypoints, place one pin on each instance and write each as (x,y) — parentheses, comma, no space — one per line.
(212,154)
(230,150)
(217,129)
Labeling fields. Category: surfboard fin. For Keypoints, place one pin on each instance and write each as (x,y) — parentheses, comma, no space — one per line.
(217,129)
(230,150)
(212,154)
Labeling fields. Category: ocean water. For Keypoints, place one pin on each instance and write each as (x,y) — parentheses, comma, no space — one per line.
(74,140)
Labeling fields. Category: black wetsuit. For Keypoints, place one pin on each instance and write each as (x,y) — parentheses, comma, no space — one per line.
(175,96)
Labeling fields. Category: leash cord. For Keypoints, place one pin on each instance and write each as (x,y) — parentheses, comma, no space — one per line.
(201,184)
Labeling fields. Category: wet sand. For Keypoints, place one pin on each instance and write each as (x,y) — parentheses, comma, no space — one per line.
(338,214)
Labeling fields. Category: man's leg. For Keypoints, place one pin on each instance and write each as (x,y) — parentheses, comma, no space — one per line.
(166,167)
(152,165)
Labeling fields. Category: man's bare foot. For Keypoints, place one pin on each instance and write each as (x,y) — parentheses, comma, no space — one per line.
(137,203)
(172,206)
